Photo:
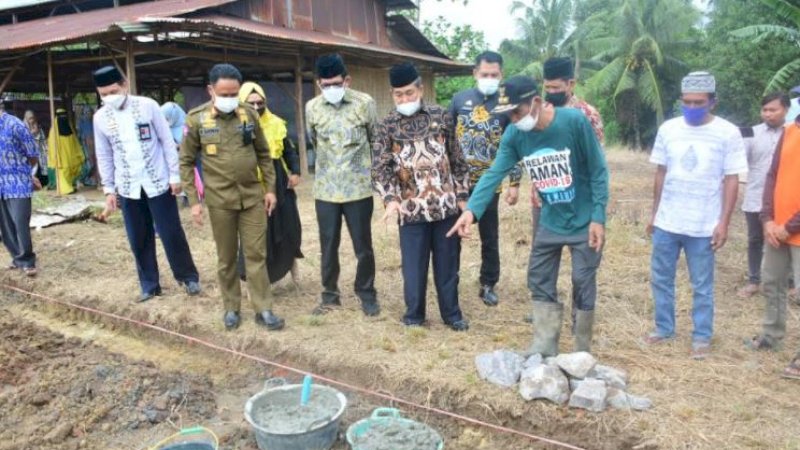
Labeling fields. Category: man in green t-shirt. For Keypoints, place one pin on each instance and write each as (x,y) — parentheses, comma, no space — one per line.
(560,152)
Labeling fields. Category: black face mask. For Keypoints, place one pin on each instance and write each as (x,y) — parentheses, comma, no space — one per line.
(260,110)
(556,98)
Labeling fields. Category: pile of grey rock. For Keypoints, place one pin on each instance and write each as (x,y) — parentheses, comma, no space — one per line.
(575,379)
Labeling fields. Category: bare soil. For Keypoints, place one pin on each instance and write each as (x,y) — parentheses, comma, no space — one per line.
(734,400)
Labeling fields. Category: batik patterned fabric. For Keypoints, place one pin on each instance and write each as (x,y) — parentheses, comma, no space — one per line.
(478,132)
(16,146)
(592,114)
(418,163)
(342,136)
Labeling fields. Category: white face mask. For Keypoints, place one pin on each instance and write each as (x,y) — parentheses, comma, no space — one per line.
(113,100)
(528,122)
(488,86)
(226,105)
(333,94)
(408,109)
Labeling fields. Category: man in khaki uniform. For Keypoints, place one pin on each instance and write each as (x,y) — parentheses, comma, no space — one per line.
(228,136)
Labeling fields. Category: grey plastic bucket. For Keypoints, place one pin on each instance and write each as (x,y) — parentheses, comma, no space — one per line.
(383,416)
(190,446)
(319,436)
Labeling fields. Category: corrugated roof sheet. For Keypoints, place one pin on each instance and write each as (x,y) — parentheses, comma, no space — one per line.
(64,28)
(313,37)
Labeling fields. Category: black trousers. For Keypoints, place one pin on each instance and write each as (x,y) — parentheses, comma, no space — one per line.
(755,246)
(417,243)
(139,216)
(488,228)
(358,217)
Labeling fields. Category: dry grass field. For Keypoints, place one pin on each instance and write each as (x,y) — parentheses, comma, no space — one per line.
(733,400)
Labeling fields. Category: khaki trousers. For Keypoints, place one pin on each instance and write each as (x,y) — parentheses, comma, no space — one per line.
(229,226)
(778,264)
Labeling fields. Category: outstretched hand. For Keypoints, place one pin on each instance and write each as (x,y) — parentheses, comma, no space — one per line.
(462,225)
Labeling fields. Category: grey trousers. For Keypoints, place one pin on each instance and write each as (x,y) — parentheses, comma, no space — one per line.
(778,262)
(15,220)
(545,261)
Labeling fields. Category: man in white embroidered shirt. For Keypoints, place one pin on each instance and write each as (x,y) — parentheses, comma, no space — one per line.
(138,162)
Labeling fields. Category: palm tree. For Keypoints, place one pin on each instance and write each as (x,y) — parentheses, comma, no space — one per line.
(544,25)
(788,10)
(634,42)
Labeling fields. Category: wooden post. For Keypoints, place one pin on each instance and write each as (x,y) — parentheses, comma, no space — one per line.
(53,124)
(299,116)
(130,61)
(10,75)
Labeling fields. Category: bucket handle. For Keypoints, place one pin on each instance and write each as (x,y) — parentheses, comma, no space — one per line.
(323,420)
(274,382)
(380,413)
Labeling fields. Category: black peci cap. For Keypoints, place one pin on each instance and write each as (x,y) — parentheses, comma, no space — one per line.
(106,76)
(403,74)
(558,68)
(514,91)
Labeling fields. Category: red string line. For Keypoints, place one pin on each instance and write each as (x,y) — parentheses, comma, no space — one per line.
(341,384)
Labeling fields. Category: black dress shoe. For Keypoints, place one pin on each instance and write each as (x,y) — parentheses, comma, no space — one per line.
(326,306)
(371,309)
(488,296)
(413,323)
(232,319)
(269,321)
(145,296)
(192,288)
(459,325)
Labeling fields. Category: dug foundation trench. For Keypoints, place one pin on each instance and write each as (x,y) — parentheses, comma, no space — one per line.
(234,379)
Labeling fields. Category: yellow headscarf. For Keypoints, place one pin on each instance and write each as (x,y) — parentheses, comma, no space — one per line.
(274,127)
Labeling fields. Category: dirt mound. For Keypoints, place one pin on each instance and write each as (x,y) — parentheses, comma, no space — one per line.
(59,393)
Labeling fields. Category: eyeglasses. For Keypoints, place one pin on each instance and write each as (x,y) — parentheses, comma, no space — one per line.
(326,86)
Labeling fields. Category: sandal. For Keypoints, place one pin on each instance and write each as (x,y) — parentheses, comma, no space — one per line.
(792,371)
(700,350)
(759,343)
(655,339)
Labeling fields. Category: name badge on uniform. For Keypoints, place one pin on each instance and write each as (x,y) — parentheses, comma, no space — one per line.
(145,133)
(208,132)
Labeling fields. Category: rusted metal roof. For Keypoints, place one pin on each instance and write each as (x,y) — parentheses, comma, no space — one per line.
(70,27)
(316,38)
(411,34)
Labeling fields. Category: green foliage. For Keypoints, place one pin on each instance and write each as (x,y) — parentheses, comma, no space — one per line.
(787,33)
(461,43)
(744,66)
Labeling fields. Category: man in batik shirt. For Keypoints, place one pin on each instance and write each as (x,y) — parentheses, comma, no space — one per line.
(478,133)
(422,177)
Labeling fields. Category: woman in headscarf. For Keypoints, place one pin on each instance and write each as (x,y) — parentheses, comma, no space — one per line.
(65,156)
(41,143)
(283,226)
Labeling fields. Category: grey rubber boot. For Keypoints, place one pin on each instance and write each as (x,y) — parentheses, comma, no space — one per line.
(547,317)
(584,321)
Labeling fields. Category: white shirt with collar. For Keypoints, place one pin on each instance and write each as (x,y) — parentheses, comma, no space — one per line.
(135,149)
(760,150)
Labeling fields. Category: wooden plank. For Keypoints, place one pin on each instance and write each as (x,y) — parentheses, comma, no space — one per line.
(321,15)
(372,27)
(358,20)
(130,62)
(51,94)
(340,21)
(299,115)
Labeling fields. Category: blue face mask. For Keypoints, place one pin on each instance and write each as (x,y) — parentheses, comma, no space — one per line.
(695,116)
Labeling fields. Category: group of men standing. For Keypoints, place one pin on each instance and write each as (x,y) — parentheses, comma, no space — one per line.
(437,170)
